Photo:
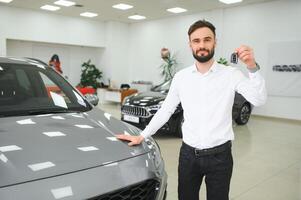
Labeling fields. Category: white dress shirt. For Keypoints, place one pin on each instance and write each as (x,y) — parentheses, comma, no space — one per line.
(207,101)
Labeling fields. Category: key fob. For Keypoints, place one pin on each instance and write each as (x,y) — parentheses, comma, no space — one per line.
(234,58)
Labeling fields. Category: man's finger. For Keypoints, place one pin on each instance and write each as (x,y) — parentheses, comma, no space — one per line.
(124,137)
(131,143)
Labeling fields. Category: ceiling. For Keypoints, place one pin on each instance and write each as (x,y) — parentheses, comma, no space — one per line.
(151,9)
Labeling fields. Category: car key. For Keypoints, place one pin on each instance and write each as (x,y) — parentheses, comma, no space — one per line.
(234,58)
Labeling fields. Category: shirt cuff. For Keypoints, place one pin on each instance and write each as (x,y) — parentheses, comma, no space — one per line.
(145,134)
(253,70)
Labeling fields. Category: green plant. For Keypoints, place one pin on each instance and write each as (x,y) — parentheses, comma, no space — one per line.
(169,65)
(90,75)
(223,61)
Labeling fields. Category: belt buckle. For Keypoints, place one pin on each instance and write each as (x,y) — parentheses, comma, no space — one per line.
(200,152)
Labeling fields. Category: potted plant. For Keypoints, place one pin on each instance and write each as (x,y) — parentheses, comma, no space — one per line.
(90,75)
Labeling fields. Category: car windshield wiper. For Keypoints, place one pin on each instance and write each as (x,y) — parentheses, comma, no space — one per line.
(34,112)
(41,112)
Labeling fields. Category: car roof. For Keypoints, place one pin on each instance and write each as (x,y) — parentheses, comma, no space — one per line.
(23,61)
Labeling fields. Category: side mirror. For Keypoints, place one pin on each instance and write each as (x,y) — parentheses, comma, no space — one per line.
(92,98)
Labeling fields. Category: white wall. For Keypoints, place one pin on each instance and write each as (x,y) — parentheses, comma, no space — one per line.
(115,57)
(41,34)
(256,25)
(71,57)
(109,38)
(259,25)
(28,25)
(147,39)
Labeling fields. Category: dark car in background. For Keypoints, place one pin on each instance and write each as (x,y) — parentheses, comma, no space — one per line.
(54,144)
(139,109)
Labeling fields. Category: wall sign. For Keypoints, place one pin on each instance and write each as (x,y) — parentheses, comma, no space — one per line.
(284,69)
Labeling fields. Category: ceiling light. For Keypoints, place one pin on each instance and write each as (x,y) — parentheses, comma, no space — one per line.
(230,1)
(6,1)
(88,14)
(122,6)
(176,10)
(64,3)
(137,17)
(51,8)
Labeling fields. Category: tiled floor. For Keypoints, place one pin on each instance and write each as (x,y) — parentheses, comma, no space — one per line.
(267,159)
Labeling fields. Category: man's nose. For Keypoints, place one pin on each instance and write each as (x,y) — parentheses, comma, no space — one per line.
(201,45)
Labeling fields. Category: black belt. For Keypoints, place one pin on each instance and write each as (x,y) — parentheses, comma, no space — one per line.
(209,151)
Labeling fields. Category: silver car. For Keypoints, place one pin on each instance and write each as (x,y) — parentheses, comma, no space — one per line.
(55,145)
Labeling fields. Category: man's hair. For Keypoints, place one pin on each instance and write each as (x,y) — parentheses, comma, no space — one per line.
(201,24)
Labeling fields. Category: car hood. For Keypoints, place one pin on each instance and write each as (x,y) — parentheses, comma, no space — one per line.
(146,98)
(38,147)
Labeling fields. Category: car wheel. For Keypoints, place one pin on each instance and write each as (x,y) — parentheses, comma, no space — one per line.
(244,114)
(180,122)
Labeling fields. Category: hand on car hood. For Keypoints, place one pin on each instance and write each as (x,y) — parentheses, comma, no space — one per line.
(35,147)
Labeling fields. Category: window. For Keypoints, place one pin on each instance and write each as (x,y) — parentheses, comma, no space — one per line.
(28,89)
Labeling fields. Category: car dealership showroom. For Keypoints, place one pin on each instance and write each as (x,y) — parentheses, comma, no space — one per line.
(150,99)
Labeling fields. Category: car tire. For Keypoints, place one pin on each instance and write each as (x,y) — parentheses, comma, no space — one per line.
(180,122)
(244,114)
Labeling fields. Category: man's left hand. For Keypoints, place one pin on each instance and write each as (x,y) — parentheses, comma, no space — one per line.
(246,55)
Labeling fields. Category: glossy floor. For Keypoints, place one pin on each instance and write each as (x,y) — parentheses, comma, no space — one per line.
(267,159)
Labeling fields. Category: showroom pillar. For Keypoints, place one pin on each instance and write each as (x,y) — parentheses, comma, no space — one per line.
(115,57)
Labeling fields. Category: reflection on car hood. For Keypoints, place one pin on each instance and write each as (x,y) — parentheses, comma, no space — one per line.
(147,98)
(79,141)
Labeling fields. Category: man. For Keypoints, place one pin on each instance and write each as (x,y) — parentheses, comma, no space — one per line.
(206,91)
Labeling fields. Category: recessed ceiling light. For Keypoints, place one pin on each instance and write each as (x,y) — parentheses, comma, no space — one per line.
(6,1)
(176,10)
(51,8)
(64,3)
(88,14)
(122,6)
(137,17)
(230,1)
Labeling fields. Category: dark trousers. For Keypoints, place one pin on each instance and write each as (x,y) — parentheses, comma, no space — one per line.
(215,165)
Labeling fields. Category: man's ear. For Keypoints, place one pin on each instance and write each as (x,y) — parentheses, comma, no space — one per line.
(189,43)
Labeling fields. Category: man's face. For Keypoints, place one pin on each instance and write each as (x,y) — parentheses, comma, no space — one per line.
(202,44)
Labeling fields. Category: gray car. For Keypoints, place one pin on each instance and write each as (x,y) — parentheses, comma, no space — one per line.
(55,145)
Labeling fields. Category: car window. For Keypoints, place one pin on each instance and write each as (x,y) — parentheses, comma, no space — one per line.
(28,89)
(23,79)
(51,88)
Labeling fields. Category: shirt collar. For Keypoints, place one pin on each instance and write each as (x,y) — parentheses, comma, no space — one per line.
(213,68)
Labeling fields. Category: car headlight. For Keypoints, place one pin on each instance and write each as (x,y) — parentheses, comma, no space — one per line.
(156,107)
(155,153)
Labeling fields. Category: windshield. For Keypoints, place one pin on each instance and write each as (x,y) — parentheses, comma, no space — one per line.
(164,87)
(29,89)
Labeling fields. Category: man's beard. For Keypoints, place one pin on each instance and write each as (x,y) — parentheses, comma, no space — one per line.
(203,59)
